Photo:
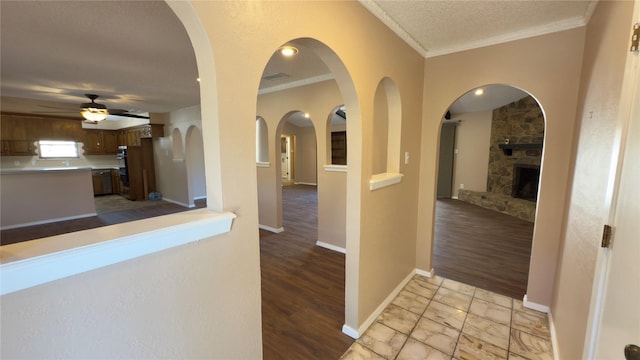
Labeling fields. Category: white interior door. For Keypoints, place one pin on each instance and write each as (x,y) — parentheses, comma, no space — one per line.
(285,157)
(619,294)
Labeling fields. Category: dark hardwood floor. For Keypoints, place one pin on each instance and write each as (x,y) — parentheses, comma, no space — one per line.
(302,285)
(482,248)
(111,215)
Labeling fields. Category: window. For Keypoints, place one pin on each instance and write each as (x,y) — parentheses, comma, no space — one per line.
(50,149)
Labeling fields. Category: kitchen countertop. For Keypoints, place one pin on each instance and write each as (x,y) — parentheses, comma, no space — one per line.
(47,169)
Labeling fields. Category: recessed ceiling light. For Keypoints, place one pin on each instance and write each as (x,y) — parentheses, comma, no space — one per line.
(288,50)
(198,79)
(306,115)
(479,92)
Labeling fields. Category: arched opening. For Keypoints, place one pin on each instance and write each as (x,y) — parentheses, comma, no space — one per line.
(489,168)
(262,141)
(281,90)
(195,166)
(387,124)
(177,147)
(337,136)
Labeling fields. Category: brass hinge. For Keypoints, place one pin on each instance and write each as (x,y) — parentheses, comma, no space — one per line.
(606,236)
(635,37)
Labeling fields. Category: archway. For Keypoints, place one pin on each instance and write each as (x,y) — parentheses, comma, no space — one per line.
(194,158)
(490,156)
(336,77)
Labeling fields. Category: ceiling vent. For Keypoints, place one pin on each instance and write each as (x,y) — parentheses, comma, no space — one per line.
(275,76)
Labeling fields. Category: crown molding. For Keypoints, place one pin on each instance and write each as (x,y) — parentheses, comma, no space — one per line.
(295,84)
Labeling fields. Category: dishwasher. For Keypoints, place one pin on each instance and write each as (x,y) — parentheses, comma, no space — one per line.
(102,182)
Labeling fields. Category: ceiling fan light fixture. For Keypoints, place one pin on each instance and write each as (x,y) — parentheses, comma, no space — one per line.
(94,114)
(93,111)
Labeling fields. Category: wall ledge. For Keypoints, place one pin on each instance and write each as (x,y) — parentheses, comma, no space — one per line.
(378,181)
(31,263)
(263,164)
(335,168)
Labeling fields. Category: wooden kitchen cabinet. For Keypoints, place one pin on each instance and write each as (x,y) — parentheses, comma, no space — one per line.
(110,141)
(131,136)
(100,142)
(32,127)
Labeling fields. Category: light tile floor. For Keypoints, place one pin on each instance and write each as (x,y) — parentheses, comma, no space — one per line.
(436,318)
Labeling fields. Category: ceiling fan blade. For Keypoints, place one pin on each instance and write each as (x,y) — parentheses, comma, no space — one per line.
(126,114)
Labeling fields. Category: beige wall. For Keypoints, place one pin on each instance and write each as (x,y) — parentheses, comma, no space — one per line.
(305,161)
(601,82)
(546,66)
(472,143)
(32,197)
(203,300)
(317,100)
(170,155)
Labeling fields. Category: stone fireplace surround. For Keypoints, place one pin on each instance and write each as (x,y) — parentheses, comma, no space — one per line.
(517,134)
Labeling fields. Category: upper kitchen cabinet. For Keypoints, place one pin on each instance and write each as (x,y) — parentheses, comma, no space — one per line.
(20,131)
(131,136)
(100,142)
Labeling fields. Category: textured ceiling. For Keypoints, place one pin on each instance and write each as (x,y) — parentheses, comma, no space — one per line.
(440,27)
(137,56)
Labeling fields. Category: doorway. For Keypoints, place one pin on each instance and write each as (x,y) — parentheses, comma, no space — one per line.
(483,234)
(286,159)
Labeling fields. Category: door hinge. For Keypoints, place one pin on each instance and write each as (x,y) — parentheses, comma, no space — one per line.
(635,37)
(606,236)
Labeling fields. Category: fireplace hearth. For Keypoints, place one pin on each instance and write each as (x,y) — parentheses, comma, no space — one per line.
(525,181)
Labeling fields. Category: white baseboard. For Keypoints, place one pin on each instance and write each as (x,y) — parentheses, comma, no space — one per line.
(269,228)
(331,247)
(554,338)
(454,197)
(47,221)
(534,306)
(178,202)
(199,197)
(426,273)
(365,325)
(350,332)
(305,183)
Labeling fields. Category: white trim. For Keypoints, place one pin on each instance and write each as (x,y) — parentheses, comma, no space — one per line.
(554,337)
(199,197)
(295,84)
(178,202)
(518,35)
(336,168)
(393,25)
(350,332)
(374,315)
(262,164)
(48,221)
(269,228)
(378,181)
(430,274)
(36,262)
(454,197)
(331,247)
(305,183)
(534,306)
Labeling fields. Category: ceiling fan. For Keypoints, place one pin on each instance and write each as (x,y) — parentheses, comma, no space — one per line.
(95,112)
(92,111)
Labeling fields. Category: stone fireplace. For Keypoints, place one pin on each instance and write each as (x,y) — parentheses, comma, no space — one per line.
(515,154)
(525,181)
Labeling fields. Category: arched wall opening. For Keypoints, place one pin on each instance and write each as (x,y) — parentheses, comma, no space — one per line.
(337,136)
(490,154)
(177,147)
(387,126)
(331,185)
(195,165)
(262,141)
